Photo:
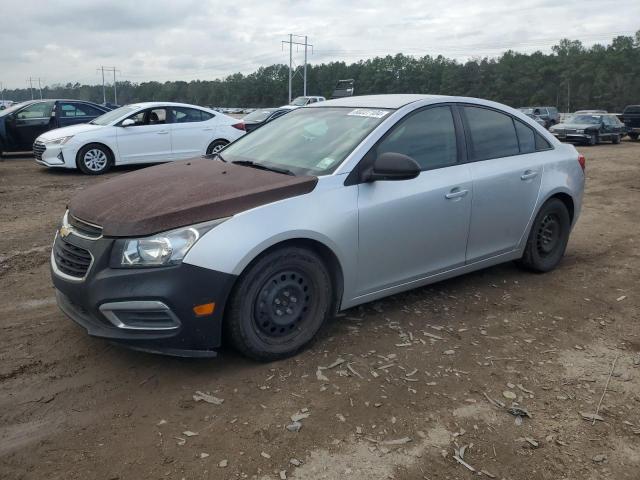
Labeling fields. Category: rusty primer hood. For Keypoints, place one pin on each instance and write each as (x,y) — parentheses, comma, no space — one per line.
(181,193)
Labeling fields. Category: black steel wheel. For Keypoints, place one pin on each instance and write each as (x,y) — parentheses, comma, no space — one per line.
(615,139)
(548,237)
(593,139)
(279,304)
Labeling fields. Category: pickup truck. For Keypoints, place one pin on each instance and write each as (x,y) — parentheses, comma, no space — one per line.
(631,119)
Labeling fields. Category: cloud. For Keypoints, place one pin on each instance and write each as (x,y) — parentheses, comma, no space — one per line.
(66,40)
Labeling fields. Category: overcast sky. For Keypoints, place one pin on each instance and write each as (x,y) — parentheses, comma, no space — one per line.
(66,40)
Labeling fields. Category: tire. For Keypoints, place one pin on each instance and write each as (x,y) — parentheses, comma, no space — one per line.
(298,291)
(94,159)
(633,135)
(548,238)
(216,146)
(593,139)
(615,139)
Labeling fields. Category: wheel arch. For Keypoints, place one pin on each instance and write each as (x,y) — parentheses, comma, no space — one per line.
(328,256)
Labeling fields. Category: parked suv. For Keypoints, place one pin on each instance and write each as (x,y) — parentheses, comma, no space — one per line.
(550,115)
(329,207)
(631,118)
(21,124)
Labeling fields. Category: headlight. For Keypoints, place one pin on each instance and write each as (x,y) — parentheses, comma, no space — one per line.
(57,141)
(159,250)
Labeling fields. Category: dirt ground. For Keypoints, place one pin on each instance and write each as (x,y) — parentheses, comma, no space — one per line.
(410,389)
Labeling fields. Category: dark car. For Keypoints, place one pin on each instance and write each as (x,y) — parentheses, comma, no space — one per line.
(590,129)
(344,88)
(21,124)
(261,116)
(550,115)
(631,119)
(537,119)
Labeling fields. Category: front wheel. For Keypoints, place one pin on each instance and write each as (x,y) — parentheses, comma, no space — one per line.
(615,139)
(548,238)
(593,139)
(279,304)
(216,146)
(94,159)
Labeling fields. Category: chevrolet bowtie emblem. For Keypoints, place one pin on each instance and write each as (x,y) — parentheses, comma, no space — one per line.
(65,231)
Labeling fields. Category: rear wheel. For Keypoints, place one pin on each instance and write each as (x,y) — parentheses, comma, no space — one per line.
(216,146)
(94,159)
(633,136)
(548,238)
(279,304)
(615,139)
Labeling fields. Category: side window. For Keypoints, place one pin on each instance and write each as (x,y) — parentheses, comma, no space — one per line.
(541,143)
(37,110)
(138,118)
(526,138)
(67,110)
(157,116)
(206,115)
(85,110)
(491,134)
(187,115)
(428,136)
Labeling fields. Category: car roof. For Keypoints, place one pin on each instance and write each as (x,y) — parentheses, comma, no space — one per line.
(165,104)
(379,101)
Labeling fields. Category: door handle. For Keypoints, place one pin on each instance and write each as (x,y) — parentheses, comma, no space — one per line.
(162,132)
(527,175)
(456,193)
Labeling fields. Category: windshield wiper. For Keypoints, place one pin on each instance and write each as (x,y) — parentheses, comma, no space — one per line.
(249,163)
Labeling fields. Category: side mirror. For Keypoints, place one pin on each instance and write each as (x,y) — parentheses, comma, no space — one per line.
(127,123)
(392,166)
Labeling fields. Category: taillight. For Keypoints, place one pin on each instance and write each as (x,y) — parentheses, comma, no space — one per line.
(240,126)
(582,161)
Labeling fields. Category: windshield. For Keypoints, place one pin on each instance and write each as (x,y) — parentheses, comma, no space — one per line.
(589,119)
(113,115)
(258,116)
(300,101)
(307,141)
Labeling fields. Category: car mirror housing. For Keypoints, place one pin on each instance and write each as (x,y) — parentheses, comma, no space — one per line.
(392,166)
(127,123)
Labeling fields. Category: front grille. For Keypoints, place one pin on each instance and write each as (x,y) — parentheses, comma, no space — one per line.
(71,260)
(85,229)
(38,150)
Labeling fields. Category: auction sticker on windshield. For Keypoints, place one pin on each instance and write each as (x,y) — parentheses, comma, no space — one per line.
(366,112)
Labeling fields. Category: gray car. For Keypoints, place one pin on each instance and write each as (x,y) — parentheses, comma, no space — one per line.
(332,206)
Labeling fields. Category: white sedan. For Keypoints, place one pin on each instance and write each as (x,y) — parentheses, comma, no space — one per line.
(140,133)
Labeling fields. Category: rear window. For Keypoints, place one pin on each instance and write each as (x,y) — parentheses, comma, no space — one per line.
(257,116)
(492,134)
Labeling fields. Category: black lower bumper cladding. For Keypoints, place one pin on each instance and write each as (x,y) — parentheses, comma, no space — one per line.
(147,309)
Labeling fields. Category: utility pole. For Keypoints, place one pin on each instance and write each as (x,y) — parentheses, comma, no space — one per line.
(31,87)
(115,88)
(40,88)
(291,43)
(104,88)
(2,92)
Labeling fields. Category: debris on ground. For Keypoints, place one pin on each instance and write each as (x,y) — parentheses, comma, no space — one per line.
(223,463)
(205,397)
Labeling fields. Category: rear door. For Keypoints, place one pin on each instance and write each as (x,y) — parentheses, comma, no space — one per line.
(506,172)
(411,229)
(148,140)
(191,131)
(29,123)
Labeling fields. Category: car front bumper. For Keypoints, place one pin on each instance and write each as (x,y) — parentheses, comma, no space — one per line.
(55,156)
(572,137)
(149,309)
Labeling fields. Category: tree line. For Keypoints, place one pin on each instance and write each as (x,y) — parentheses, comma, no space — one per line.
(570,77)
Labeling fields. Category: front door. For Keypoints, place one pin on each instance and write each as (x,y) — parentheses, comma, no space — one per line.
(411,229)
(29,123)
(506,175)
(148,140)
